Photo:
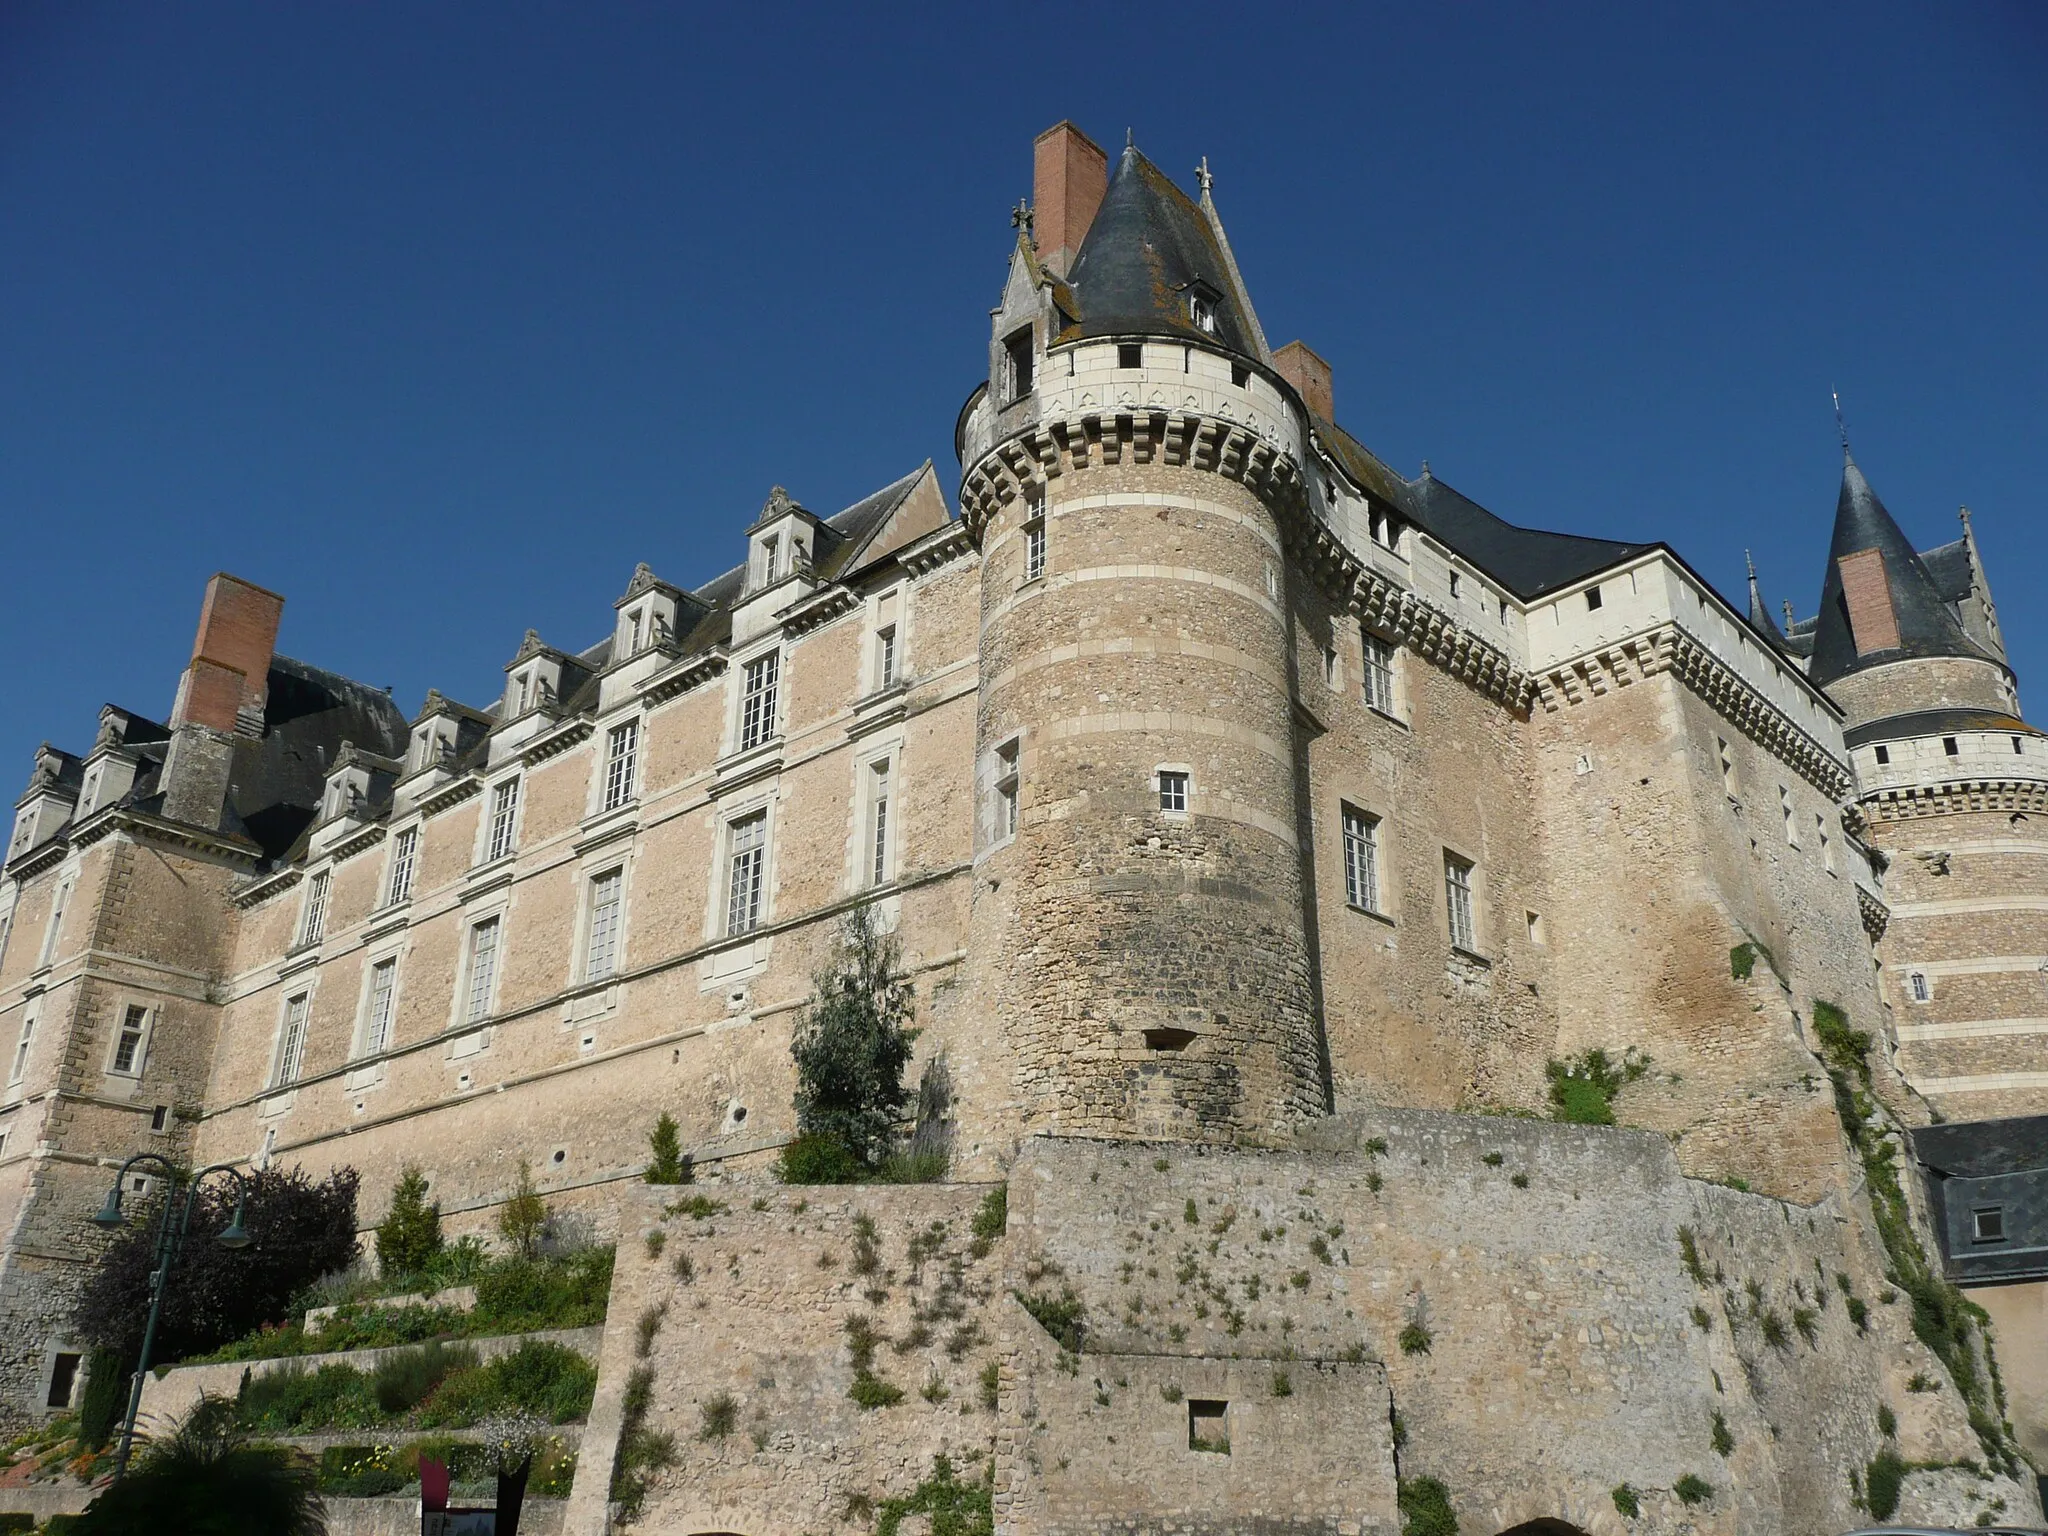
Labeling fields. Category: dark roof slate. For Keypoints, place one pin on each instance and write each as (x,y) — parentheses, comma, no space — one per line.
(1925,624)
(1528,561)
(1950,566)
(1977,1149)
(1937,722)
(279,777)
(1149,243)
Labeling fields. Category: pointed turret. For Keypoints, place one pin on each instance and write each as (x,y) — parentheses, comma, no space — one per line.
(1759,615)
(1878,604)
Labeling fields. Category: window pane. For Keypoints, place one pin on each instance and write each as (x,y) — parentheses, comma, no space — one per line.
(129,1042)
(757,703)
(1458,897)
(483,968)
(878,841)
(743,899)
(293,1052)
(1379,674)
(1034,550)
(622,750)
(504,810)
(1361,860)
(314,924)
(1173,792)
(377,1028)
(601,954)
(403,848)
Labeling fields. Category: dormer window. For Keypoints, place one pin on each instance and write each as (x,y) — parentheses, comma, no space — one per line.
(633,623)
(1202,310)
(1017,349)
(771,556)
(524,684)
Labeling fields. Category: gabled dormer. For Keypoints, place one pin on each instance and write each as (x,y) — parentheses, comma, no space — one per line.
(784,545)
(653,619)
(442,734)
(115,761)
(540,683)
(47,806)
(357,794)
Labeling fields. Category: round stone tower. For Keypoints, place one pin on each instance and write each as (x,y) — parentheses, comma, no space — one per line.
(1140,917)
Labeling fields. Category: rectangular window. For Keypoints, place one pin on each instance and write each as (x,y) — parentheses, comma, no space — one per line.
(1458,901)
(749,844)
(1130,354)
(483,970)
(1884,755)
(28,1035)
(1034,549)
(383,994)
(160,1118)
(57,905)
(313,922)
(1592,599)
(885,657)
(621,752)
(1987,1224)
(128,1044)
(1791,816)
(291,1051)
(1948,745)
(504,812)
(1173,792)
(404,855)
(1018,349)
(1007,783)
(1379,674)
(757,700)
(1916,984)
(878,825)
(1361,859)
(601,949)
(1455,580)
(63,1377)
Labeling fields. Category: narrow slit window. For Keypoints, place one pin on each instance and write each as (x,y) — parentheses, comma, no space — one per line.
(1329,666)
(601,949)
(291,1053)
(128,1045)
(1006,785)
(404,855)
(483,970)
(885,657)
(1361,859)
(313,921)
(749,843)
(1458,901)
(50,935)
(621,756)
(757,700)
(878,825)
(1827,846)
(383,994)
(1034,548)
(1727,758)
(1791,816)
(63,1377)
(504,813)
(160,1118)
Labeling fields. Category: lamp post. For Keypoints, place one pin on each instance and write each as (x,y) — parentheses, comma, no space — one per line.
(168,1237)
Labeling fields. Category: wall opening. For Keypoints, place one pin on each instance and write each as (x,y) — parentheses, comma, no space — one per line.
(1209,1425)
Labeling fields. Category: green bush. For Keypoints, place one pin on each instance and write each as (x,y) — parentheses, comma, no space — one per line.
(1582,1090)
(670,1164)
(820,1158)
(1625,1500)
(1692,1490)
(851,1043)
(16,1521)
(1425,1506)
(1063,1316)
(955,1508)
(293,1400)
(106,1398)
(410,1234)
(524,1219)
(403,1381)
(205,1477)
(1882,1482)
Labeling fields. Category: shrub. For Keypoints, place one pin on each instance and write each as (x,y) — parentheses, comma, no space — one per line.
(1692,1490)
(992,1216)
(991,1385)
(1882,1481)
(871,1391)
(105,1400)
(1774,1331)
(1063,1316)
(1689,1250)
(403,1381)
(851,1045)
(294,1400)
(1582,1090)
(410,1234)
(1425,1506)
(1724,1442)
(1415,1339)
(205,1477)
(721,1417)
(300,1231)
(1887,1421)
(670,1164)
(953,1508)
(548,1380)
(820,1159)
(523,1220)
(1625,1500)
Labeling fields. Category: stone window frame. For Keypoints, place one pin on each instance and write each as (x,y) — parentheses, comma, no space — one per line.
(60,903)
(373,962)
(404,855)
(771,724)
(313,908)
(24,1043)
(466,1014)
(1469,941)
(1164,786)
(124,1007)
(589,874)
(499,816)
(1004,770)
(1380,658)
(58,1350)
(731,823)
(878,782)
(288,1051)
(1919,986)
(1375,824)
(615,783)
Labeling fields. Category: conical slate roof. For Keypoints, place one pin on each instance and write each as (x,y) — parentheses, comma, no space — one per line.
(1921,623)
(1149,246)
(1759,613)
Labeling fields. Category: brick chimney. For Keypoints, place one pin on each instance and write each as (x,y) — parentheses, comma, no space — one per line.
(229,677)
(221,695)
(1069,174)
(1309,375)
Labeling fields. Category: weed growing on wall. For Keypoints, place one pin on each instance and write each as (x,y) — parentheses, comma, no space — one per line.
(642,1451)
(954,1508)
(1692,1490)
(1625,1501)
(1942,1319)
(1425,1506)
(1582,1088)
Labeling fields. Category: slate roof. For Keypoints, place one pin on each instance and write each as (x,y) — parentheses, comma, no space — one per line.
(1149,243)
(1937,722)
(1926,626)
(278,778)
(1952,570)
(1977,1149)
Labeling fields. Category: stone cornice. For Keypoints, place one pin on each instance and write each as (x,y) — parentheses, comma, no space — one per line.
(1668,648)
(817,608)
(937,550)
(41,857)
(1955,797)
(268,886)
(556,742)
(357,842)
(176,834)
(682,678)
(1875,914)
(453,793)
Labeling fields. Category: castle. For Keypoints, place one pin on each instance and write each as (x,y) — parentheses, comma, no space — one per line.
(1240,804)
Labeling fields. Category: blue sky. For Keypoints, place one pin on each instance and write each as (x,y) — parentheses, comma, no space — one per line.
(437,318)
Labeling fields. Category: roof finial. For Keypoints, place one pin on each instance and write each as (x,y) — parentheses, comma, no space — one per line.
(1788,615)
(1963,514)
(1425,469)
(1021,218)
(1841,426)
(1203,178)
(1130,140)
(1751,563)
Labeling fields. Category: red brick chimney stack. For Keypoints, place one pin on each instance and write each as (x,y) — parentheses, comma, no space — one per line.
(228,679)
(1069,174)
(1309,375)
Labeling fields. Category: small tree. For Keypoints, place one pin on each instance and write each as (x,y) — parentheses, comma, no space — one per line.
(851,1047)
(671,1163)
(410,1234)
(523,1220)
